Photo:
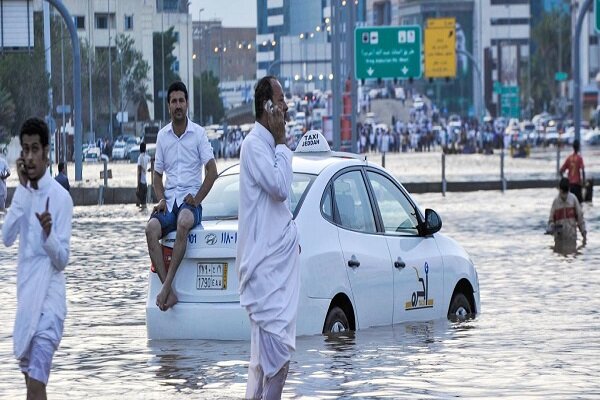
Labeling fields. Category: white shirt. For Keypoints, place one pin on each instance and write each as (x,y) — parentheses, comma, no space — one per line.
(40,278)
(267,250)
(182,159)
(143,160)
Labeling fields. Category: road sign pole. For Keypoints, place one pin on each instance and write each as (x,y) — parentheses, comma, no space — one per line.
(576,62)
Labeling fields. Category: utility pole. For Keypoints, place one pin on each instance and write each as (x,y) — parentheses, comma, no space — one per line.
(110,122)
(200,59)
(48,47)
(162,52)
(90,51)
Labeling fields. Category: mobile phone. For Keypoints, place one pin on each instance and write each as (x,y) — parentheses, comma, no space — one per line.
(269,106)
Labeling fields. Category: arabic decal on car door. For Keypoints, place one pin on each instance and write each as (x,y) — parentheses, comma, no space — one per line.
(417,263)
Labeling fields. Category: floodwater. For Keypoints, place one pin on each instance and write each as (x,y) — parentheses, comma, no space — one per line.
(537,338)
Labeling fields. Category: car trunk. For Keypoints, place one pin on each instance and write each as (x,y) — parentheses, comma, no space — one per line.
(207,273)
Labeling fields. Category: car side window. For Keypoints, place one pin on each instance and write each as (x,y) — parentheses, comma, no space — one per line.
(352,205)
(326,207)
(397,213)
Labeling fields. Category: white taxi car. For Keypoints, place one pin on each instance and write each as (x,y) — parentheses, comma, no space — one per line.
(370,256)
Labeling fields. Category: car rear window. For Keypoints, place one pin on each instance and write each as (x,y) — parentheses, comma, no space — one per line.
(222,202)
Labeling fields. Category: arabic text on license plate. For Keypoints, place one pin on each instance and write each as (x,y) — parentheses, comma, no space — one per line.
(212,276)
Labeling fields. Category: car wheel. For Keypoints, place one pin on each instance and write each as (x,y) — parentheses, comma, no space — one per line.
(336,321)
(460,308)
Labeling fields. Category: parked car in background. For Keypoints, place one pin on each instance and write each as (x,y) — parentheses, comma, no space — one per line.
(592,137)
(134,152)
(91,154)
(119,150)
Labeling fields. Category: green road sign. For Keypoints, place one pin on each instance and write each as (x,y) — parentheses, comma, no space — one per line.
(497,87)
(387,52)
(510,102)
(560,76)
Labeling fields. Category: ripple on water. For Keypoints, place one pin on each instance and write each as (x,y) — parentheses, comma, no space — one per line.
(538,335)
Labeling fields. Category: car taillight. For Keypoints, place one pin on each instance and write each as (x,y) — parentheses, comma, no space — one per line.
(167,254)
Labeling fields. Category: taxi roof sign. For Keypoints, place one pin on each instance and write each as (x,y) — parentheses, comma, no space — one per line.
(313,141)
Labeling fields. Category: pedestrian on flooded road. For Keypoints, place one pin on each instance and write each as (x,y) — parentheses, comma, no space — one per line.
(40,215)
(142,185)
(268,246)
(565,217)
(576,174)
(62,178)
(182,149)
(4,174)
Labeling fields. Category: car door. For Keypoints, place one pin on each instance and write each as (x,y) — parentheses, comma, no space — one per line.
(418,267)
(365,252)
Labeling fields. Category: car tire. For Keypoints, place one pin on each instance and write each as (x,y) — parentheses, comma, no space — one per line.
(460,308)
(336,321)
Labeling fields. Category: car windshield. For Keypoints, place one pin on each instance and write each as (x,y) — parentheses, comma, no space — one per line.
(223,199)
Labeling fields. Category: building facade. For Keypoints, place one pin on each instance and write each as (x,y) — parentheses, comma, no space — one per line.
(228,53)
(294,43)
(98,22)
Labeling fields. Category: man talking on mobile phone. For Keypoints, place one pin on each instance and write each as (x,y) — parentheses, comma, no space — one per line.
(268,244)
(40,215)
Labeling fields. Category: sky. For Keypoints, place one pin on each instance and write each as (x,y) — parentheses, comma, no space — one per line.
(233,13)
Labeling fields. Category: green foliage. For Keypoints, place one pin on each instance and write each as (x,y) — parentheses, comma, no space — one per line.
(23,77)
(545,57)
(24,82)
(163,44)
(134,72)
(212,104)
(7,114)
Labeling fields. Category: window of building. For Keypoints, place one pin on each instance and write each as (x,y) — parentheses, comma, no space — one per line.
(129,22)
(79,21)
(103,19)
(166,5)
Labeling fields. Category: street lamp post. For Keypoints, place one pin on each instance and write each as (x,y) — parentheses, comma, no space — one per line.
(200,60)
(110,127)
(162,50)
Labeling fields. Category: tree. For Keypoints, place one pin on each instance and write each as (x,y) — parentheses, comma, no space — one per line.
(212,104)
(7,113)
(553,27)
(164,44)
(23,78)
(134,72)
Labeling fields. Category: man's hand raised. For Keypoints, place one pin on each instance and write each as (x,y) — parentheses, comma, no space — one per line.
(277,124)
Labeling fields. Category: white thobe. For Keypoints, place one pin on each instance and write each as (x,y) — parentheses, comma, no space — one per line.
(267,250)
(42,259)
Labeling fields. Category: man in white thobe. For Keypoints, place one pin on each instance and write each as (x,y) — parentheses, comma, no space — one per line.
(40,215)
(268,248)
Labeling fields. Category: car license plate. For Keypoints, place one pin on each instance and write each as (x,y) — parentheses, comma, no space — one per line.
(212,276)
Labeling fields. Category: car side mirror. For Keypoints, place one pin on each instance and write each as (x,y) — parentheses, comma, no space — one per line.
(433,222)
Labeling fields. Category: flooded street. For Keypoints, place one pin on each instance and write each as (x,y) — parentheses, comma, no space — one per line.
(538,335)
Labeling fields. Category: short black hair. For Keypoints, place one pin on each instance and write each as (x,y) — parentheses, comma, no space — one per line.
(142,147)
(563,185)
(177,86)
(263,91)
(35,126)
(576,145)
(61,166)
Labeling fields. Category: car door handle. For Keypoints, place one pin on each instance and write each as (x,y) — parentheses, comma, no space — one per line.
(353,262)
(399,263)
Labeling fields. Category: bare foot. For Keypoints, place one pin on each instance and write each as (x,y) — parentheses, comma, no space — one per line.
(171,300)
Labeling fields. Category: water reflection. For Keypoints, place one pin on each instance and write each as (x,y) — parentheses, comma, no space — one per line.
(538,335)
